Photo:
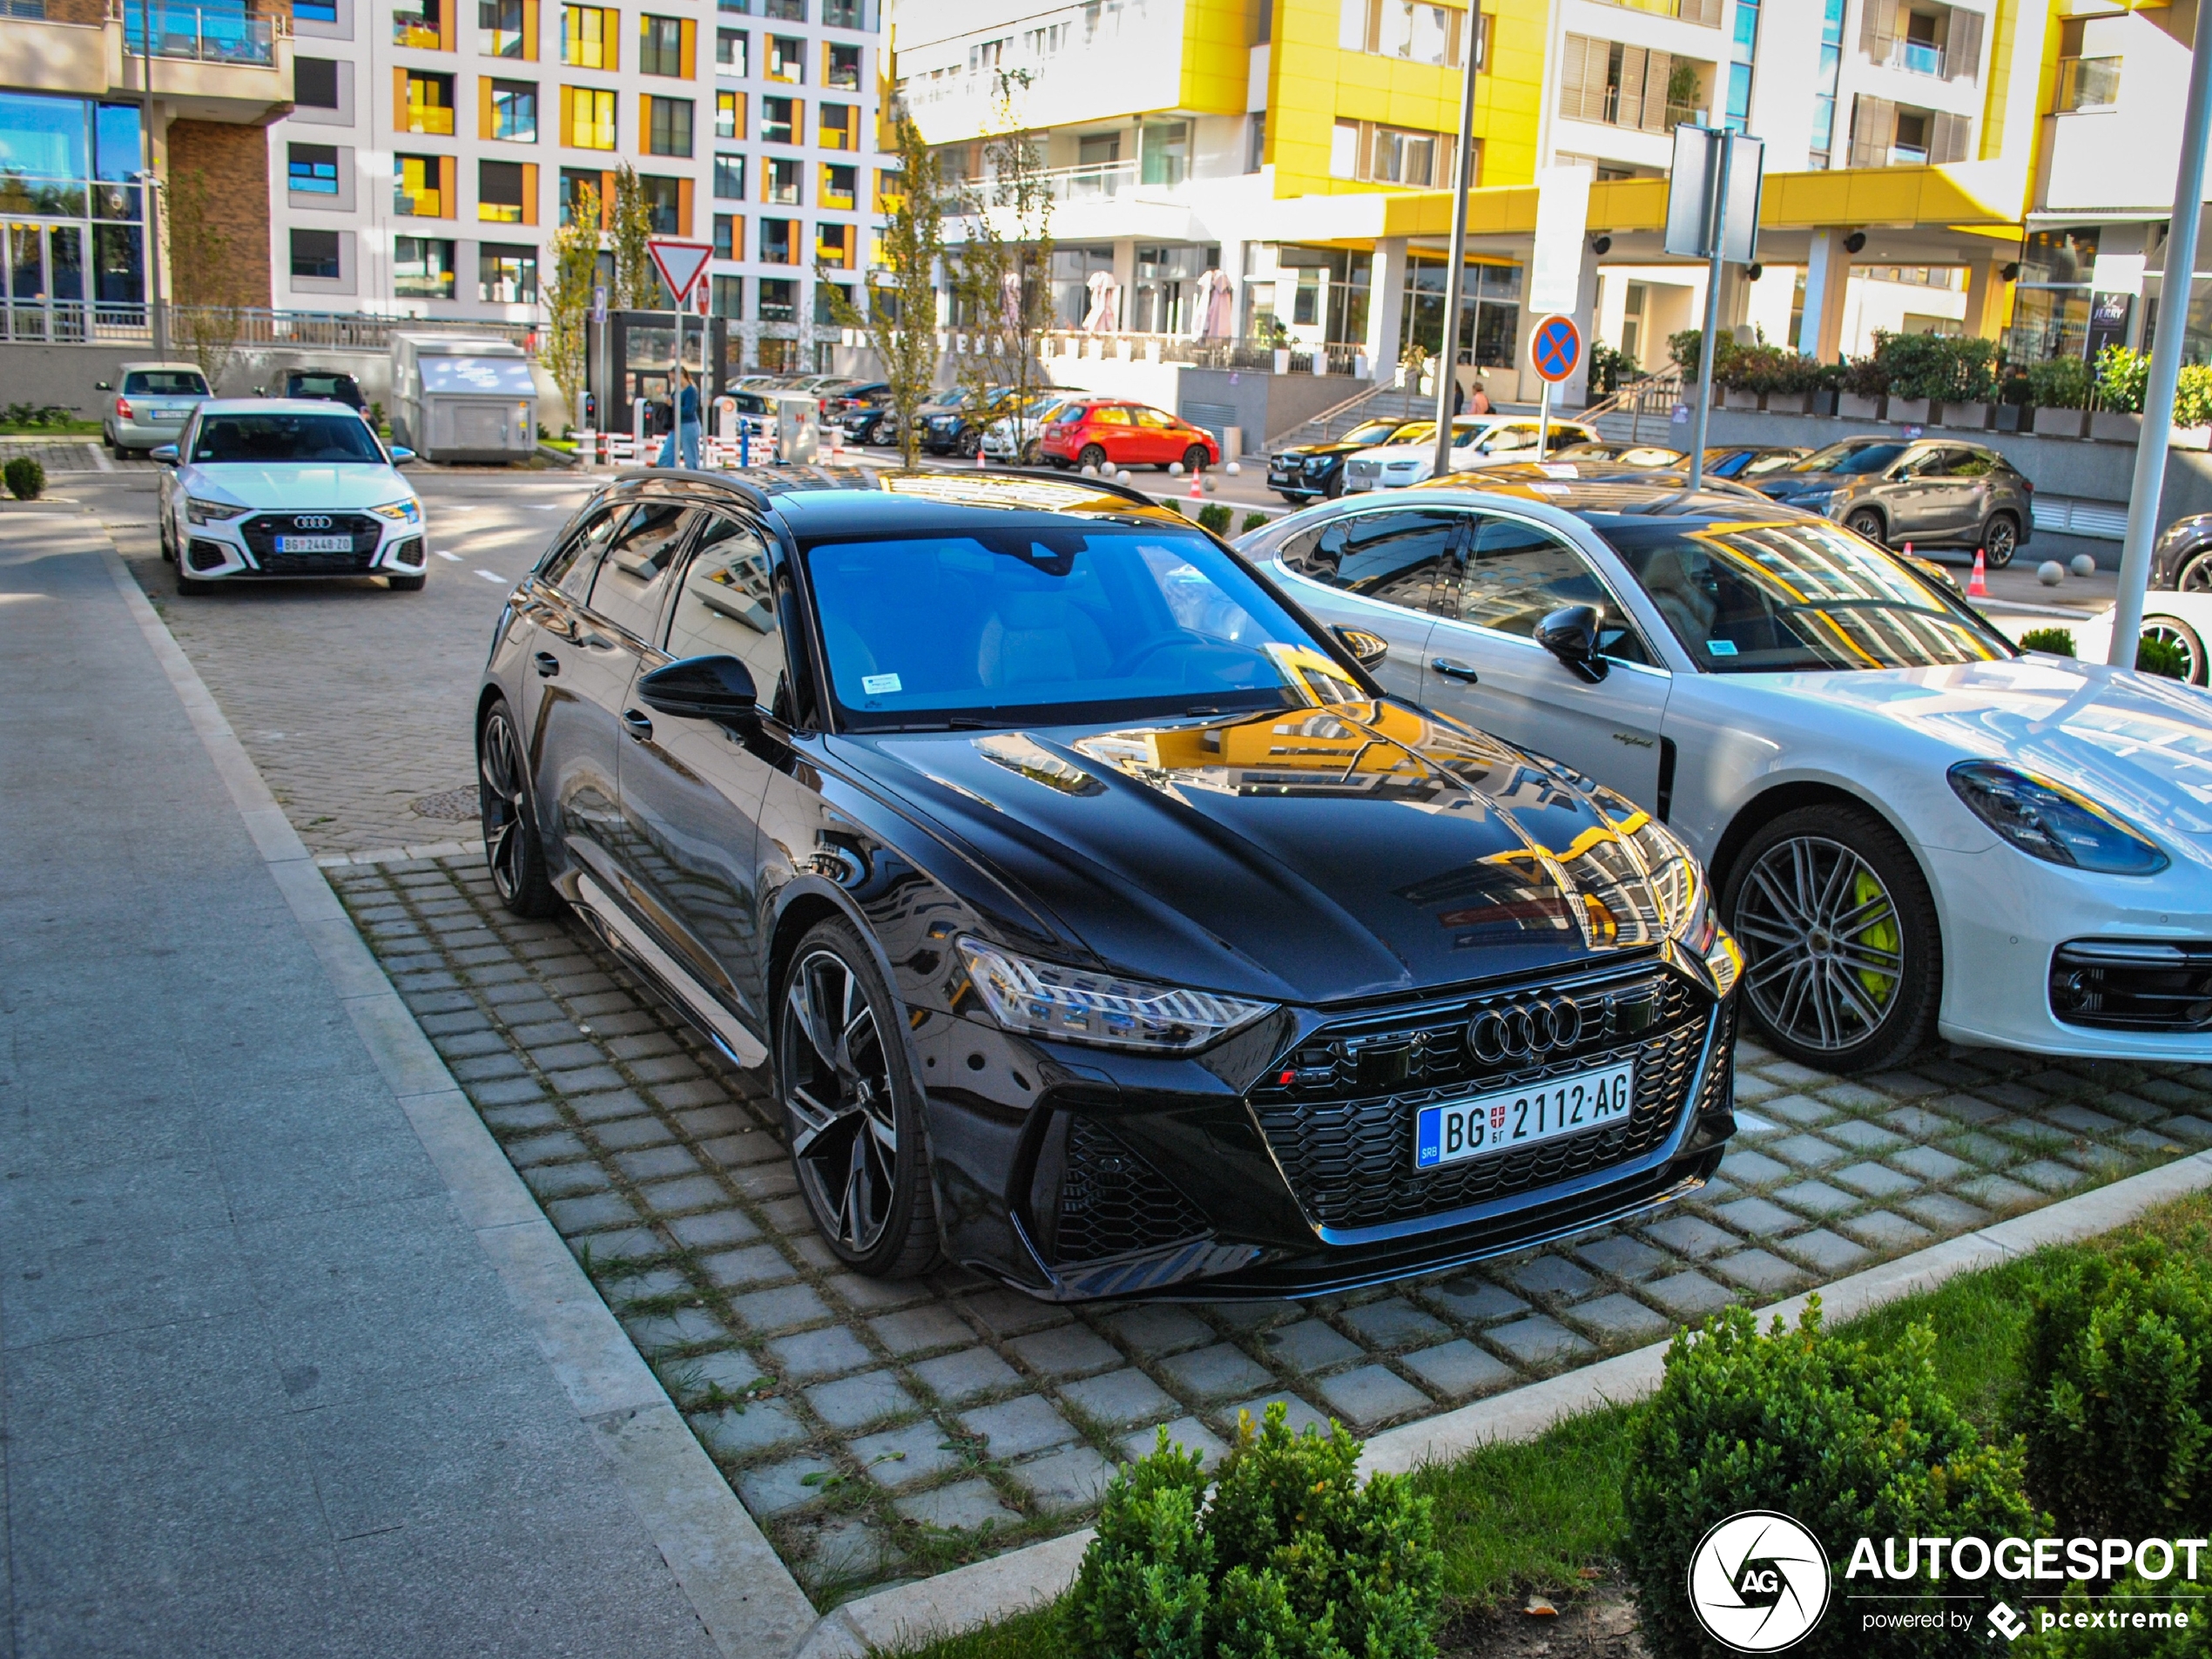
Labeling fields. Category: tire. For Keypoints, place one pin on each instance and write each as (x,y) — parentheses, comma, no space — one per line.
(2196,574)
(406,583)
(1293,497)
(2175,632)
(1334,489)
(2000,540)
(1861,1012)
(1030,454)
(168,541)
(512,850)
(1093,455)
(1194,459)
(190,587)
(845,1085)
(1867,523)
(1060,463)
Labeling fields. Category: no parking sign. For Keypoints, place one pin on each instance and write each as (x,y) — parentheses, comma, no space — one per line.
(1555,348)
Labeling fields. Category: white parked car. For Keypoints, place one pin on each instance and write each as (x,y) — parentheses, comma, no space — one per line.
(2183,620)
(263,488)
(1475,439)
(1912,827)
(1012,438)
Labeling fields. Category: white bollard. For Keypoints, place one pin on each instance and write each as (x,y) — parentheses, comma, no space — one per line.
(1232,469)
(1175,469)
(2050,573)
(2082,564)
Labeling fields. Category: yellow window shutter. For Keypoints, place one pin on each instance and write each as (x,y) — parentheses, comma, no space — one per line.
(606,201)
(483,106)
(399,99)
(529,30)
(445,27)
(689,50)
(529,192)
(684,207)
(449,203)
(568,115)
(610,32)
(644,119)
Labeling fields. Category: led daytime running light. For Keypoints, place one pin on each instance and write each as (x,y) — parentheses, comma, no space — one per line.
(1067,1004)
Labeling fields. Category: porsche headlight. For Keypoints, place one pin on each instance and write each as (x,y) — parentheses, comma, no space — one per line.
(2050,822)
(400,512)
(1070,1004)
(199,510)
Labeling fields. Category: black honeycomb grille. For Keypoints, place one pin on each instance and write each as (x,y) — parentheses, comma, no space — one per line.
(261,531)
(1111,1201)
(1349,1156)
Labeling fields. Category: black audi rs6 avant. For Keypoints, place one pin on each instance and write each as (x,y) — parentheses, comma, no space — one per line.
(1103,925)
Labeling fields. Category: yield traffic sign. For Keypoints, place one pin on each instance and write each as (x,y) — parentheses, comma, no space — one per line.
(1555,348)
(679,263)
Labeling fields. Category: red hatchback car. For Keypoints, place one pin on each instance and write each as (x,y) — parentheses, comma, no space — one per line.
(1106,432)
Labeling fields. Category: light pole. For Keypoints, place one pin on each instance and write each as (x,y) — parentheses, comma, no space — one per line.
(150,180)
(1447,373)
(1723,150)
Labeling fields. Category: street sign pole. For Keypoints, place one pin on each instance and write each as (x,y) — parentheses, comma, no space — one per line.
(1448,371)
(1555,352)
(2165,356)
(1717,190)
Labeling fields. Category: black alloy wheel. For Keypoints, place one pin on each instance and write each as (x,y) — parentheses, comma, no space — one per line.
(1194,458)
(853,1108)
(1843,958)
(1866,522)
(2172,630)
(1093,457)
(511,847)
(2000,539)
(2195,576)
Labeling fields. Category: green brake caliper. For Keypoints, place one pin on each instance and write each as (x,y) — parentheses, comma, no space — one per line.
(1881,935)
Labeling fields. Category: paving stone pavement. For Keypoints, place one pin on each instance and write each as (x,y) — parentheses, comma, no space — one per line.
(885,1431)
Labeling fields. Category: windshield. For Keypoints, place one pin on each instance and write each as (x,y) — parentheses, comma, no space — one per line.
(265,438)
(1066,623)
(1775,598)
(1850,458)
(1374,432)
(164,382)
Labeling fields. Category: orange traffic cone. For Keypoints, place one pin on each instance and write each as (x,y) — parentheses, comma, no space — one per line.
(1977,584)
(1195,493)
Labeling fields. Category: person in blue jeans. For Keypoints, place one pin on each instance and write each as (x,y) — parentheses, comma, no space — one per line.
(686,429)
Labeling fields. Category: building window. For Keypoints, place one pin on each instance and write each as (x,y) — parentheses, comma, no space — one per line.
(779,181)
(1743,52)
(587,118)
(725,236)
(1629,86)
(835,244)
(315,11)
(730,51)
(843,14)
(1885,134)
(729,121)
(1256,141)
(415,187)
(2084,84)
(664,203)
(785,10)
(729,295)
(418,23)
(1489,311)
(506,275)
(840,127)
(1384,155)
(574,188)
(778,297)
(1417,33)
(668,126)
(314,82)
(315,256)
(312,169)
(514,111)
(841,185)
(841,65)
(422,268)
(890,196)
(660,46)
(502,196)
(742,8)
(499,26)
(429,103)
(779,245)
(729,178)
(786,58)
(1823,97)
(825,298)
(588,36)
(779,116)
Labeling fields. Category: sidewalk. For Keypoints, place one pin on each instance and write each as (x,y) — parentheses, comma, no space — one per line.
(265,1389)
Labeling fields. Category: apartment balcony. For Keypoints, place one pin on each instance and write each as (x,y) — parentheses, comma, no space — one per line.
(1919,58)
(232,63)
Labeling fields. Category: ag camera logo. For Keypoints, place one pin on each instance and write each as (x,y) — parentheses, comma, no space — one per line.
(1758,1583)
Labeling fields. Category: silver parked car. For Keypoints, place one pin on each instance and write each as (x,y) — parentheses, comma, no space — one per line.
(151,410)
(1929,492)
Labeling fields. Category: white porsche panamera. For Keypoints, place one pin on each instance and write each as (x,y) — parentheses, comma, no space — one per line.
(1912,825)
(280,488)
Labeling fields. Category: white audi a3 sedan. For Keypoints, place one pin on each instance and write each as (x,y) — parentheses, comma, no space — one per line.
(286,488)
(1912,825)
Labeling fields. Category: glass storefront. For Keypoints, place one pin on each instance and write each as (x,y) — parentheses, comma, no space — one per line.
(1489,310)
(69,213)
(1312,296)
(2051,303)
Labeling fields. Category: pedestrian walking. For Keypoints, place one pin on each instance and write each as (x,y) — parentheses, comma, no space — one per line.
(683,428)
(1479,403)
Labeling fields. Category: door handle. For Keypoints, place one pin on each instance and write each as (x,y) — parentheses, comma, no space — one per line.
(547,664)
(1453,671)
(639,723)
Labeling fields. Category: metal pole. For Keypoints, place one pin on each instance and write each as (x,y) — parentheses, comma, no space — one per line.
(1712,317)
(158,322)
(1447,373)
(2165,355)
(1544,420)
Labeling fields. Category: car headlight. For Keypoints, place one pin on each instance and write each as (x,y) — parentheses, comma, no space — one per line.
(2050,822)
(1317,463)
(400,512)
(1048,1000)
(199,510)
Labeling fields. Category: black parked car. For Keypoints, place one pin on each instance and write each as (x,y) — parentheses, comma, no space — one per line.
(2182,558)
(1313,471)
(332,384)
(1062,870)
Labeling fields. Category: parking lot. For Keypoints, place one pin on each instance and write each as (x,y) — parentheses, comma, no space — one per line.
(880,1432)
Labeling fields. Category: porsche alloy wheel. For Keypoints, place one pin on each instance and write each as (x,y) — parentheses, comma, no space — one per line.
(511,847)
(2173,631)
(852,1111)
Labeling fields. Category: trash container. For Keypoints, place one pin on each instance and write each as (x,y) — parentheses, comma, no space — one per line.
(460,399)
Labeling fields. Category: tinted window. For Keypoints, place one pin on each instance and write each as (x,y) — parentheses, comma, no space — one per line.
(1519,574)
(279,438)
(1852,458)
(1087,621)
(627,590)
(1795,596)
(571,565)
(164,382)
(727,605)
(1972,463)
(1402,558)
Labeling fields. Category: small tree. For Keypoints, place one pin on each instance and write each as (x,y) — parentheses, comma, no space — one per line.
(1002,286)
(568,295)
(902,319)
(204,276)
(638,285)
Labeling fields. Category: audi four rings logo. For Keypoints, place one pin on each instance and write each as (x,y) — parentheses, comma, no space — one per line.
(1519,1030)
(311,521)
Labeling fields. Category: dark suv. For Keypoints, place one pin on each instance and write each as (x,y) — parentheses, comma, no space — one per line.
(1315,471)
(965,803)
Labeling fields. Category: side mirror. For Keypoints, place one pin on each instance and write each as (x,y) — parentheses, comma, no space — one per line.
(401,451)
(104,386)
(1367,650)
(702,688)
(1571,636)
(165,453)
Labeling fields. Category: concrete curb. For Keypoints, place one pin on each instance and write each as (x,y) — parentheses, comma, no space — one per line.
(747,1599)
